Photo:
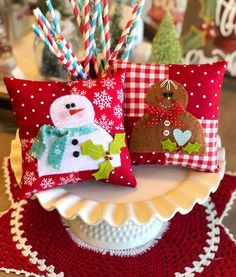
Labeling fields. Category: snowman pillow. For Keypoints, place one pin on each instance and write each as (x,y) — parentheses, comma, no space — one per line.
(71,132)
(171,113)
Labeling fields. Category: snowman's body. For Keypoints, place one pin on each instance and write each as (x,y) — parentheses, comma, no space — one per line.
(70,161)
(73,160)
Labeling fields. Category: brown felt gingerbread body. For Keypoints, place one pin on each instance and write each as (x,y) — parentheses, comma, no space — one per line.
(166,126)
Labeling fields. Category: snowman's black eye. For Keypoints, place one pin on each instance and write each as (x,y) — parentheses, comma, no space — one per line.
(68,106)
(72,105)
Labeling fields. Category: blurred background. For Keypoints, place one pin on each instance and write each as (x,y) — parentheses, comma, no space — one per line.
(206,31)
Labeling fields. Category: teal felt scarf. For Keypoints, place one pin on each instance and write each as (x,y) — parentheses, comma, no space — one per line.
(57,148)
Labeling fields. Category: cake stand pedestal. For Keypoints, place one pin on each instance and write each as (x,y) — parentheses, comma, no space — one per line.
(113,217)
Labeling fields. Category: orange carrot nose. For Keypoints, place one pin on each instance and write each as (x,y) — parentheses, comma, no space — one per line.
(72,112)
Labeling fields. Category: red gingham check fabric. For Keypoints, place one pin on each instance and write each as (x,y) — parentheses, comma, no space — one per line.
(208,162)
(139,77)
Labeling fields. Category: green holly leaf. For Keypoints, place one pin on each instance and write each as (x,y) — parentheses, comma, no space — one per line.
(104,171)
(192,148)
(93,150)
(169,145)
(117,144)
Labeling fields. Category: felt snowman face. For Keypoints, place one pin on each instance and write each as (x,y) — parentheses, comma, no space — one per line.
(72,111)
(166,93)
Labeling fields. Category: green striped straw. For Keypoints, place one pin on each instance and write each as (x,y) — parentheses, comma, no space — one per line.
(133,31)
(101,31)
(93,47)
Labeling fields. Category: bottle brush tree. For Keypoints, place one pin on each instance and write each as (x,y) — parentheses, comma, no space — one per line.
(166,48)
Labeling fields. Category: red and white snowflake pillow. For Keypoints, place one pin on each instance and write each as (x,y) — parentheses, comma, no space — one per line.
(171,113)
(71,132)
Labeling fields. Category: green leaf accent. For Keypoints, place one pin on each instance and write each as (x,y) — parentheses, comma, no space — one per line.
(117,144)
(97,152)
(104,171)
(93,150)
(169,145)
(192,148)
(194,39)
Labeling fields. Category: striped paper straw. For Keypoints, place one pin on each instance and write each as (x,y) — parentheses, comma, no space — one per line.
(125,33)
(93,23)
(69,54)
(81,9)
(47,33)
(59,55)
(76,11)
(38,14)
(41,35)
(101,31)
(86,36)
(98,66)
(107,29)
(54,17)
(77,15)
(133,31)
(63,44)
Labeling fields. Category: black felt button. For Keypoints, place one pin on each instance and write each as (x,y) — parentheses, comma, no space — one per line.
(76,154)
(75,141)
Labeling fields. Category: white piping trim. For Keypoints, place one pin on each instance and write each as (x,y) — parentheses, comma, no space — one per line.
(26,250)
(18,272)
(6,179)
(120,253)
(213,242)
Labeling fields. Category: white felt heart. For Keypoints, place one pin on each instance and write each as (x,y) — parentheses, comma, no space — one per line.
(182,137)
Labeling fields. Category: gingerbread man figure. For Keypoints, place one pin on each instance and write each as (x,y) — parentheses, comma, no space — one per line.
(166,126)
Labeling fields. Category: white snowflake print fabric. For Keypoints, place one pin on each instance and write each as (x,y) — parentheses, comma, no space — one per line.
(70,179)
(102,100)
(76,91)
(120,95)
(47,183)
(105,123)
(109,83)
(89,84)
(118,112)
(29,178)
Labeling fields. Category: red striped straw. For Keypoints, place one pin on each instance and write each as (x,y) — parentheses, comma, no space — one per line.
(125,33)
(77,14)
(86,36)
(107,29)
(39,32)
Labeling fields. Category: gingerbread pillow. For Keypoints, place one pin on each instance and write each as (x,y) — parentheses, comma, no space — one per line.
(171,113)
(70,132)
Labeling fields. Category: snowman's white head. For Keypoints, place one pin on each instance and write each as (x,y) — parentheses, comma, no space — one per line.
(71,111)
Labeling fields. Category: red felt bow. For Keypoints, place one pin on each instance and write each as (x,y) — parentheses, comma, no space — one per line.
(159,114)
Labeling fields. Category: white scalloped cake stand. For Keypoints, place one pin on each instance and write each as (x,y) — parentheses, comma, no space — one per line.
(117,217)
